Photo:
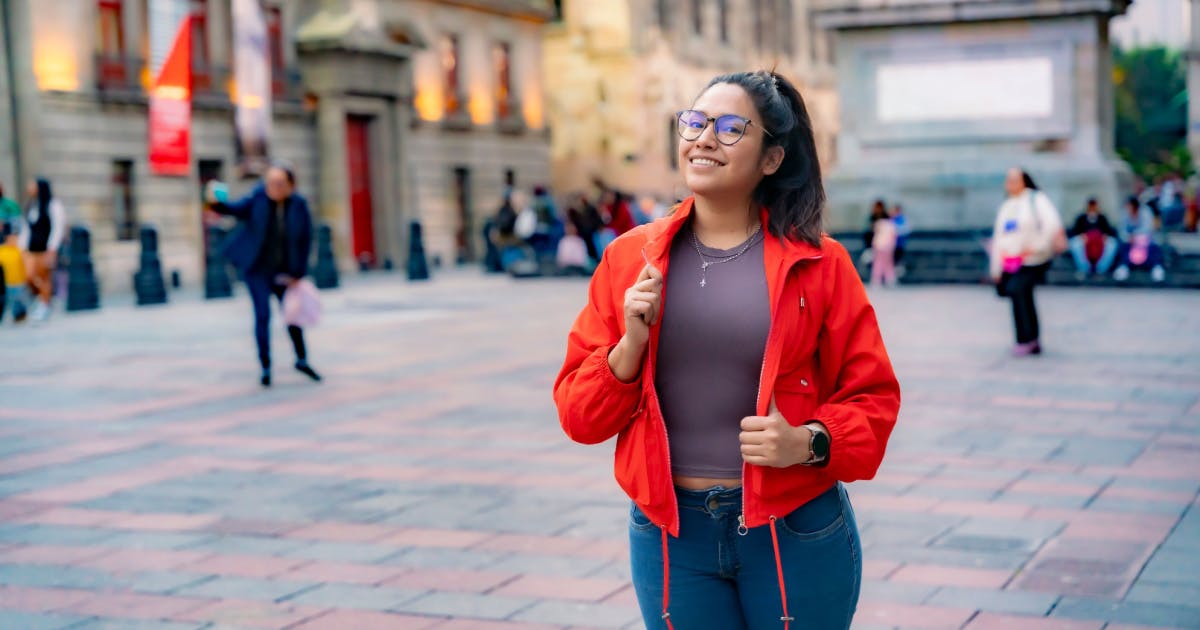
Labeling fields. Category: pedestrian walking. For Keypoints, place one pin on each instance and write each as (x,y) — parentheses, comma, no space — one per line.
(270,248)
(41,235)
(744,401)
(883,263)
(1028,234)
(903,231)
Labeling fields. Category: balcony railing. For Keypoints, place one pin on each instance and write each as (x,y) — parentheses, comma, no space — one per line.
(210,80)
(457,117)
(509,118)
(118,73)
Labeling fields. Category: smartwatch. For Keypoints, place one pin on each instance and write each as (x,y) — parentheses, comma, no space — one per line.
(818,444)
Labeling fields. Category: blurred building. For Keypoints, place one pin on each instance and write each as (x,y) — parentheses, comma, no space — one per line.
(391,110)
(1154,23)
(617,71)
(941,97)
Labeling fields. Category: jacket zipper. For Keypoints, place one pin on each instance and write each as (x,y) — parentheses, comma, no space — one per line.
(648,370)
(742,529)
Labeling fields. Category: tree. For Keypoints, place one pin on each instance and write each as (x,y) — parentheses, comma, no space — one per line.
(1152,110)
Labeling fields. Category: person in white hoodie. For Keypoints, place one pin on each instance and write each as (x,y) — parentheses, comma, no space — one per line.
(1027,236)
(41,235)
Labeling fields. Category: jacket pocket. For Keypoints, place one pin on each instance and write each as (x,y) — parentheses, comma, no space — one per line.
(816,519)
(638,521)
(796,396)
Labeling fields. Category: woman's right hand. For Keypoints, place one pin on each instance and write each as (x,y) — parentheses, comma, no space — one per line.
(643,307)
(643,303)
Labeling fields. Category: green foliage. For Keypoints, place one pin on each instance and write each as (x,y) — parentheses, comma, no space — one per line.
(1152,110)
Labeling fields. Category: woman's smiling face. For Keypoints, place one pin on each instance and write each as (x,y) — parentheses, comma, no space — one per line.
(714,169)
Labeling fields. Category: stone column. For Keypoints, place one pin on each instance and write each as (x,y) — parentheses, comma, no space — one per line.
(20,129)
(354,68)
(10,176)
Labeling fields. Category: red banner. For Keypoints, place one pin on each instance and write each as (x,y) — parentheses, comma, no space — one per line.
(171,108)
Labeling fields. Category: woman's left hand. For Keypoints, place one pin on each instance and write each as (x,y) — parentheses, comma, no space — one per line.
(771,440)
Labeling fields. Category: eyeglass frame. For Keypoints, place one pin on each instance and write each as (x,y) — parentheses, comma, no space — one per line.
(712,120)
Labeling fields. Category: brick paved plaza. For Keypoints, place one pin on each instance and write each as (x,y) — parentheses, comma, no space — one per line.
(146,481)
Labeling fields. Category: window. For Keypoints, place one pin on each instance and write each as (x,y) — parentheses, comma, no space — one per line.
(202,78)
(820,42)
(510,178)
(110,50)
(463,234)
(662,9)
(449,50)
(502,59)
(756,8)
(723,19)
(274,19)
(698,17)
(124,207)
(786,28)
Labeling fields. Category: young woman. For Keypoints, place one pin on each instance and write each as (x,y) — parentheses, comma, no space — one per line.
(41,235)
(745,399)
(1027,236)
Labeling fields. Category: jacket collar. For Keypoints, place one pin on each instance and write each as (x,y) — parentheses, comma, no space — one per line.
(778,253)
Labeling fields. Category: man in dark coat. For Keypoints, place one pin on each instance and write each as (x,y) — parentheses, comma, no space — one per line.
(270,248)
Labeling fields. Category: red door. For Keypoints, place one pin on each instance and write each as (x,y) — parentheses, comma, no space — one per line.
(362,227)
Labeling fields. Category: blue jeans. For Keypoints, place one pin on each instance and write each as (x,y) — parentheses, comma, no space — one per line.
(721,579)
(261,287)
(1154,256)
(1078,246)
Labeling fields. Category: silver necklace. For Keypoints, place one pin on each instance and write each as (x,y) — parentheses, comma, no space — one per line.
(705,264)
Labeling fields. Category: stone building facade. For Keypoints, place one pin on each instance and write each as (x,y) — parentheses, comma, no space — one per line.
(391,110)
(617,70)
(941,97)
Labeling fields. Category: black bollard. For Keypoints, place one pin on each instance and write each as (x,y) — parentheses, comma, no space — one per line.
(148,281)
(216,272)
(325,274)
(418,267)
(83,292)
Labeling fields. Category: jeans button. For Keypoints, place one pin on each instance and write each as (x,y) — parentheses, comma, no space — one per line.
(713,504)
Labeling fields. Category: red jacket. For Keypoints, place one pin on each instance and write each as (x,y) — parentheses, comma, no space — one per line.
(824,361)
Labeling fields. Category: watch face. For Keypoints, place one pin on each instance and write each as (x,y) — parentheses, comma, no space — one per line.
(820,444)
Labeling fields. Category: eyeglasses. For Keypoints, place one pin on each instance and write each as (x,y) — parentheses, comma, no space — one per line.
(729,128)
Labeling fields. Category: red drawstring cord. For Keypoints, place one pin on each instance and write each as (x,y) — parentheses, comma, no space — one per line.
(666,616)
(786,619)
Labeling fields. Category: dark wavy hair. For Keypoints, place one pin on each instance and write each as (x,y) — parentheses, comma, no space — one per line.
(1028,179)
(793,195)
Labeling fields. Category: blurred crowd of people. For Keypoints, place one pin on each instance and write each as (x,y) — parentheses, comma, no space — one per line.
(533,235)
(30,238)
(1138,240)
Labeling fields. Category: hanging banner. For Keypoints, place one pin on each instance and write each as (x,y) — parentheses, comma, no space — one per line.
(171,87)
(252,86)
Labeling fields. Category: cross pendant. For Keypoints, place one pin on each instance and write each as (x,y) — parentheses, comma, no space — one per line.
(703,281)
